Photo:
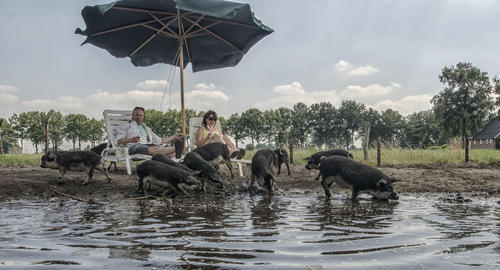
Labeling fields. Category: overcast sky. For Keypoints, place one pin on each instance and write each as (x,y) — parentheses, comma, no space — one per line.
(385,54)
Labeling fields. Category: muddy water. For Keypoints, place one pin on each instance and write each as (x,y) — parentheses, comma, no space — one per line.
(281,232)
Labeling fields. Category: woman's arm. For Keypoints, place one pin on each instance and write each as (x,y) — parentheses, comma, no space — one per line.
(199,140)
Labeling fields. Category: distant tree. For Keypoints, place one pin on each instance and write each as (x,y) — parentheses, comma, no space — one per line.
(465,102)
(252,123)
(75,128)
(7,136)
(235,128)
(36,132)
(392,126)
(496,82)
(421,130)
(95,131)
(323,122)
(372,117)
(351,115)
(20,125)
(300,128)
(284,124)
(56,128)
(270,126)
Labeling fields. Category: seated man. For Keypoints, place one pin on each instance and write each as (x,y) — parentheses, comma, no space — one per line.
(139,139)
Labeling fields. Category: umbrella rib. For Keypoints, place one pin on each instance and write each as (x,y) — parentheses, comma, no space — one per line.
(161,31)
(199,30)
(145,42)
(127,26)
(208,18)
(215,35)
(162,23)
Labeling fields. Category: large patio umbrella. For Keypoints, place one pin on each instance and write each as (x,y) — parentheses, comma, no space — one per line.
(209,34)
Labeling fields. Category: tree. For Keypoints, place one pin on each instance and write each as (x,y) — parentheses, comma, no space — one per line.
(56,128)
(465,102)
(496,82)
(323,119)
(252,123)
(300,123)
(95,131)
(20,124)
(75,128)
(234,127)
(421,129)
(35,131)
(351,115)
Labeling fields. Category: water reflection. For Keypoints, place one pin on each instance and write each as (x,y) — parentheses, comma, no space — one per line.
(250,232)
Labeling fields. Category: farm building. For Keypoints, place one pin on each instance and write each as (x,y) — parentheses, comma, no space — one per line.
(488,137)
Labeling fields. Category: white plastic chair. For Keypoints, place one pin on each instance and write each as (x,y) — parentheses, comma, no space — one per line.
(114,152)
(194,125)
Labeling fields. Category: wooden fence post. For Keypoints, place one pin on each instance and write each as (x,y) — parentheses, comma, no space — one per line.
(290,146)
(378,151)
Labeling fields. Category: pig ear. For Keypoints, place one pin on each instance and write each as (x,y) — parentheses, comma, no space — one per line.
(322,157)
(395,180)
(51,155)
(382,182)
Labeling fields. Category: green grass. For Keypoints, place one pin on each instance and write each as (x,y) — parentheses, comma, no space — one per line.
(31,159)
(408,156)
(388,156)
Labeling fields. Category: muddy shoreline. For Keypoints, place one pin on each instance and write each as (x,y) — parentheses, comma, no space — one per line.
(30,182)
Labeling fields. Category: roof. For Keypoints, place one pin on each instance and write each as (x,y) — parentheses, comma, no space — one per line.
(490,131)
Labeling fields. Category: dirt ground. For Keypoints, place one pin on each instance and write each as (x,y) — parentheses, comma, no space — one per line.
(34,183)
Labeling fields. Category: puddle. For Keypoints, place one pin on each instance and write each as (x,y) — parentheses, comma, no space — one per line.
(243,232)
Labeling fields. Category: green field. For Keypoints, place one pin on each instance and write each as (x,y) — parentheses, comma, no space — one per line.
(388,157)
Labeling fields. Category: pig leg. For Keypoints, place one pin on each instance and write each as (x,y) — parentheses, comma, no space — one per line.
(230,167)
(279,169)
(327,183)
(355,193)
(287,167)
(105,171)
(90,174)
(180,187)
(62,172)
(317,177)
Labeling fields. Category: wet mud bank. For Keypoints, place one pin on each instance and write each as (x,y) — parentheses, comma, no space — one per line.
(26,182)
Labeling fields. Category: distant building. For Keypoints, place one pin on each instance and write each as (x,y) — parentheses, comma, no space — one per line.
(488,137)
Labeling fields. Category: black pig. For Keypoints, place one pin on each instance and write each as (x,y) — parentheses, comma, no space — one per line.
(361,178)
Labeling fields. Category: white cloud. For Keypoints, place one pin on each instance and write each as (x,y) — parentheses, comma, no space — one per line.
(357,91)
(363,71)
(343,65)
(406,105)
(7,88)
(148,84)
(293,93)
(203,97)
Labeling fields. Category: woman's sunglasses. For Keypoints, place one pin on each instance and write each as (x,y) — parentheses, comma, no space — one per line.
(212,118)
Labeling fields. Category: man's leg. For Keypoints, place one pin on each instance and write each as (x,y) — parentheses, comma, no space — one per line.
(168,150)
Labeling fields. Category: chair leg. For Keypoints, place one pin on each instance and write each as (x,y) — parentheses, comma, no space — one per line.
(240,169)
(127,164)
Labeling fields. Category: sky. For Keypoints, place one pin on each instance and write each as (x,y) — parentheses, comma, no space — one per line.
(384,54)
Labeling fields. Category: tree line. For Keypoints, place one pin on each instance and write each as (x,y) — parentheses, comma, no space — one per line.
(464,105)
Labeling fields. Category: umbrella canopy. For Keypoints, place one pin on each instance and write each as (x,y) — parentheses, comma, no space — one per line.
(209,34)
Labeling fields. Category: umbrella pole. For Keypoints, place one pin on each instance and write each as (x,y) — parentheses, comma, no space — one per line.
(181,65)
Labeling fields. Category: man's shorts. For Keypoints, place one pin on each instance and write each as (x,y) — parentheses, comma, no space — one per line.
(138,149)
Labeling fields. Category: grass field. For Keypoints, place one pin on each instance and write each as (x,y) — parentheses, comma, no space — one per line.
(388,157)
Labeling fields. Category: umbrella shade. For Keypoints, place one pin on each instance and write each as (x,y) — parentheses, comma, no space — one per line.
(213,33)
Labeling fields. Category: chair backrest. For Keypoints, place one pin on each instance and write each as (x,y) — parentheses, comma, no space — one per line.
(112,120)
(194,125)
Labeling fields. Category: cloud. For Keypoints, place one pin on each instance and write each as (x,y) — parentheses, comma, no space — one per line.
(7,88)
(363,71)
(373,90)
(343,65)
(291,94)
(406,105)
(203,97)
(148,84)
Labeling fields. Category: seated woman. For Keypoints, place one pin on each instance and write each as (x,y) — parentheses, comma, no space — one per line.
(209,133)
